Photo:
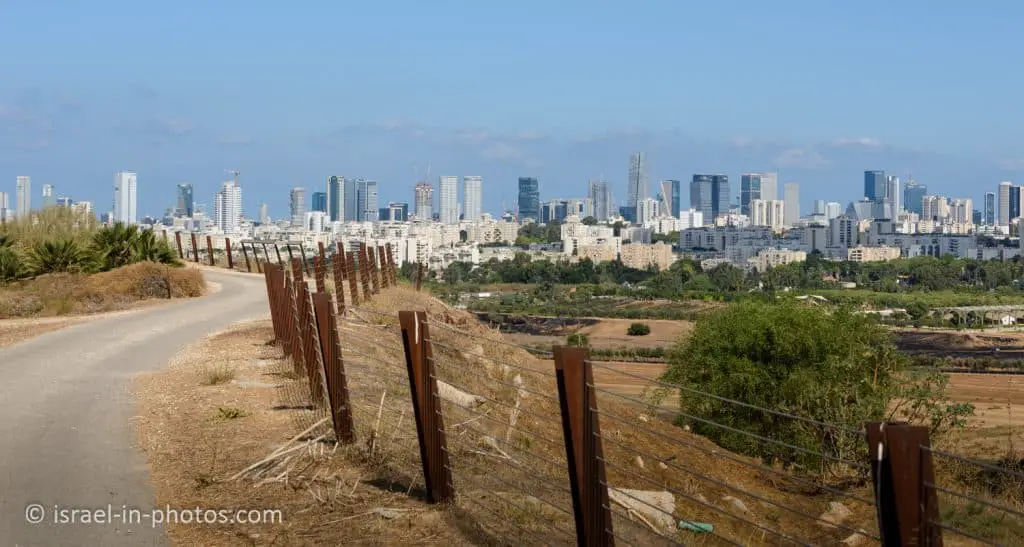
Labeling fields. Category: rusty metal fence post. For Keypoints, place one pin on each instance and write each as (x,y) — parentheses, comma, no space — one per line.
(245,254)
(350,273)
(391,265)
(385,277)
(227,250)
(320,273)
(419,276)
(364,271)
(209,250)
(334,369)
(583,450)
(426,406)
(902,473)
(371,260)
(338,269)
(277,251)
(305,263)
(195,248)
(274,299)
(291,256)
(181,251)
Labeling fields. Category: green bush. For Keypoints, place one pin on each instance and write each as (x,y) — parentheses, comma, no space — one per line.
(11,265)
(60,256)
(577,340)
(831,366)
(638,329)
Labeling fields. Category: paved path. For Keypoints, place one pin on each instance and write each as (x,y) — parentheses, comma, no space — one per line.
(66,413)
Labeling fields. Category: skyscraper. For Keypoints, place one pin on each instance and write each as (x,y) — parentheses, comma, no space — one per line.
(529,198)
(874,185)
(675,202)
(23,197)
(297,206)
(5,207)
(637,186)
(47,195)
(1014,202)
(448,198)
(423,201)
(601,200)
(125,199)
(367,200)
(892,194)
(335,198)
(186,201)
(227,207)
(1004,203)
(350,199)
(472,196)
(700,197)
(913,196)
(791,199)
(720,196)
(989,216)
(319,202)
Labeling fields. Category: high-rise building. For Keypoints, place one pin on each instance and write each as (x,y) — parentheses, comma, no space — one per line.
(892,194)
(1015,196)
(424,201)
(5,207)
(23,197)
(529,198)
(350,199)
(989,216)
(768,212)
(700,197)
(819,207)
(601,200)
(125,199)
(671,200)
(186,201)
(791,199)
(757,186)
(336,198)
(472,197)
(47,195)
(297,206)
(637,186)
(913,194)
(1004,203)
(394,212)
(367,200)
(264,214)
(319,202)
(874,185)
(448,199)
(227,207)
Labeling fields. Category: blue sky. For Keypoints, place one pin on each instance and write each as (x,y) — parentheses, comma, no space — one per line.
(562,91)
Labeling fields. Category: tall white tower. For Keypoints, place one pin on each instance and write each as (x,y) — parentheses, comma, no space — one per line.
(23,197)
(448,190)
(228,207)
(472,188)
(125,199)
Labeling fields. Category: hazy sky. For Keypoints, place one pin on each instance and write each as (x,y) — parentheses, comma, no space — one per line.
(561,90)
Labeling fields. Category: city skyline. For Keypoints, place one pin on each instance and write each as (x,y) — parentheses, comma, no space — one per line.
(173,120)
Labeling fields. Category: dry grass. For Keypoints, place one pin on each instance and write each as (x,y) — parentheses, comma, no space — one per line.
(69,294)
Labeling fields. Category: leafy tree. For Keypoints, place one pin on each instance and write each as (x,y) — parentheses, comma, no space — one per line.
(727,277)
(60,256)
(589,221)
(833,366)
(638,329)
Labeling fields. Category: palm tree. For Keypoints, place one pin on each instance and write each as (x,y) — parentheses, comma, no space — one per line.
(148,248)
(6,240)
(115,245)
(11,266)
(59,256)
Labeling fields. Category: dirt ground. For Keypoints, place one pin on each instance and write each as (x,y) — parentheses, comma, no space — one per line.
(197,436)
(611,333)
(1000,343)
(998,422)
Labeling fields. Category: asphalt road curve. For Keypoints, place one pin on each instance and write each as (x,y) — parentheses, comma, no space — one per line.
(66,439)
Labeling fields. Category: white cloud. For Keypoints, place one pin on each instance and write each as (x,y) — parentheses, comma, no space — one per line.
(800,157)
(866,142)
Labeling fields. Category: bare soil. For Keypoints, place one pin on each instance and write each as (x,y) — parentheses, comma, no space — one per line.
(1001,344)
(611,333)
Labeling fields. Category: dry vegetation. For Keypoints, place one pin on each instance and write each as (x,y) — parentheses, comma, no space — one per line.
(76,294)
(504,447)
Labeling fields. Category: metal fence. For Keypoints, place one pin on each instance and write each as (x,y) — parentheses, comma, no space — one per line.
(536,447)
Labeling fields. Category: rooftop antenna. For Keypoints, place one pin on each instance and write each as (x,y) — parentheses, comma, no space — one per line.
(234,173)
